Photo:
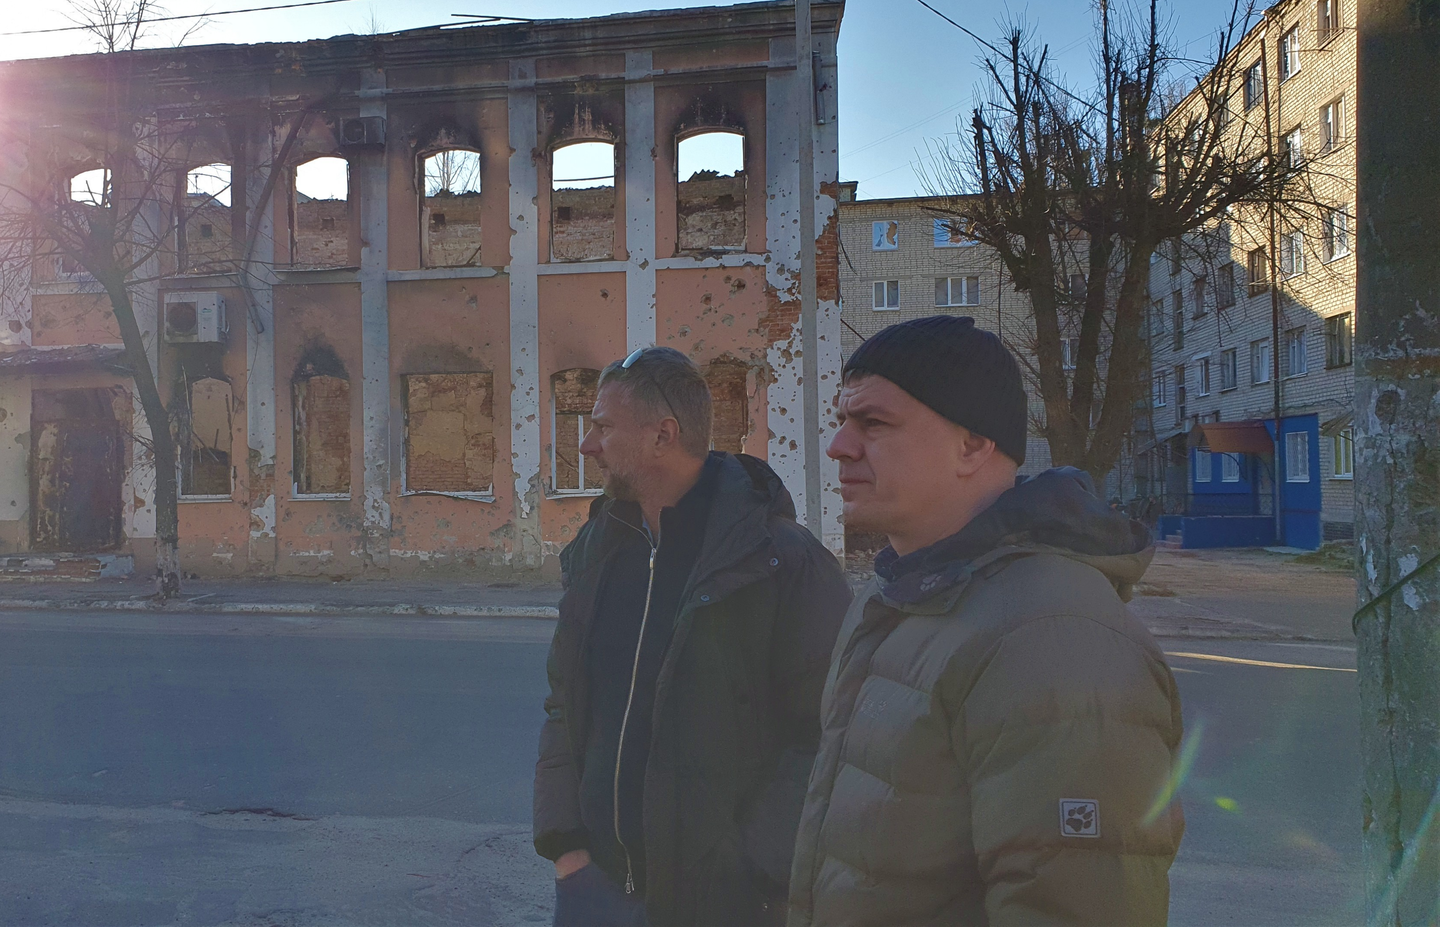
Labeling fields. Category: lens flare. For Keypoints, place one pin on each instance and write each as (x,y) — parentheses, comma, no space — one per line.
(1189,749)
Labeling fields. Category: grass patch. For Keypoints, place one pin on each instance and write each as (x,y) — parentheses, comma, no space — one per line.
(1336,555)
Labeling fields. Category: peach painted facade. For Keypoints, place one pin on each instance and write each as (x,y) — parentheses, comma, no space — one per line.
(345,358)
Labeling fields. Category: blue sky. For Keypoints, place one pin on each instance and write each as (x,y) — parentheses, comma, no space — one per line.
(905,74)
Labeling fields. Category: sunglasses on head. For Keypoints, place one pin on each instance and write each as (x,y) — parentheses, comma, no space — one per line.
(635,356)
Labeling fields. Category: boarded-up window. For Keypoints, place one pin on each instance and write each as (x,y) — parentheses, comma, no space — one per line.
(450,210)
(320,217)
(582,202)
(449,432)
(710,198)
(205,459)
(730,407)
(572,393)
(322,436)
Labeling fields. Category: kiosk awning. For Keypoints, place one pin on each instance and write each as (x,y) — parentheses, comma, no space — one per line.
(1250,437)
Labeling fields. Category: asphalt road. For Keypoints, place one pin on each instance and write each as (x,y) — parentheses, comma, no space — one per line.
(261,771)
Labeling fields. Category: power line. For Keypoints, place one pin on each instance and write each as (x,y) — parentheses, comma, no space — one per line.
(171,19)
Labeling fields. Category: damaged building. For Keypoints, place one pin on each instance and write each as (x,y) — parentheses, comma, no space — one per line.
(381,284)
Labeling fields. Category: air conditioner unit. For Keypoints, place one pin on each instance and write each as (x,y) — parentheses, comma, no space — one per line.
(194,318)
(362,132)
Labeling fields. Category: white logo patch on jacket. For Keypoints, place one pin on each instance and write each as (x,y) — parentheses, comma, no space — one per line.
(1079,817)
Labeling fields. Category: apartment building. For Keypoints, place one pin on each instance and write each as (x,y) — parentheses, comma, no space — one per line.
(391,370)
(1247,332)
(900,259)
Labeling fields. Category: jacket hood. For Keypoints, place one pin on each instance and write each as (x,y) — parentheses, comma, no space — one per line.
(1057,511)
(747,493)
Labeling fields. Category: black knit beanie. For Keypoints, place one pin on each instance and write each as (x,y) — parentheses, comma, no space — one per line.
(962,372)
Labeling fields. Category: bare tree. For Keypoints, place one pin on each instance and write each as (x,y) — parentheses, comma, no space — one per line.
(1077,189)
(112,222)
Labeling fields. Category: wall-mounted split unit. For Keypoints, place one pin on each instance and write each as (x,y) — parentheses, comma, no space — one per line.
(194,318)
(362,132)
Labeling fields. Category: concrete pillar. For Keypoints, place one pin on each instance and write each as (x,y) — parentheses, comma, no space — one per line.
(525,391)
(826,141)
(1397,456)
(786,451)
(258,321)
(799,418)
(372,191)
(639,200)
(15,331)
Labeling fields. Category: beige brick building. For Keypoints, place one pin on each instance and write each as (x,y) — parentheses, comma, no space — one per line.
(898,261)
(1213,323)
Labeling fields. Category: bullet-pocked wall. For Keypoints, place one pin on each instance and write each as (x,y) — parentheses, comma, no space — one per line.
(406,259)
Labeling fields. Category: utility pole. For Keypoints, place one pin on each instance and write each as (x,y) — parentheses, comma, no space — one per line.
(1397,456)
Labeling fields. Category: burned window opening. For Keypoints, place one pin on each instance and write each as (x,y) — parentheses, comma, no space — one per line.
(449,433)
(205,207)
(77,461)
(91,188)
(450,209)
(710,191)
(320,214)
(582,202)
(572,397)
(729,405)
(321,427)
(205,462)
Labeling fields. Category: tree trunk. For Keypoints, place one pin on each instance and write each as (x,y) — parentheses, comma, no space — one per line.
(1397,458)
(167,509)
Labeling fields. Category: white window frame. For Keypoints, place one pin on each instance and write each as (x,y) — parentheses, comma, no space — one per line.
(1201,362)
(1160,389)
(1229,369)
(1290,54)
(1292,253)
(878,241)
(1204,466)
(969,291)
(1336,233)
(1342,455)
(1229,468)
(1295,350)
(1332,124)
(943,238)
(1297,457)
(1261,370)
(880,292)
(555,489)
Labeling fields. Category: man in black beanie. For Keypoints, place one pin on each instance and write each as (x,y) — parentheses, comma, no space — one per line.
(1000,735)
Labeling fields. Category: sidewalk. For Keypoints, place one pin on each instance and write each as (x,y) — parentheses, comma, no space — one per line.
(1246,594)
(1231,594)
(445,597)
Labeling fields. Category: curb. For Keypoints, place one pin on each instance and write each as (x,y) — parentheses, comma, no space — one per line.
(284,608)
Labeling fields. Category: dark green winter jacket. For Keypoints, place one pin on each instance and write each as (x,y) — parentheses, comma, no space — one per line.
(737,702)
(1000,734)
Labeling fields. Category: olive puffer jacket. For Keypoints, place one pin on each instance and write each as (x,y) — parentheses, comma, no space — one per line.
(999,732)
(737,704)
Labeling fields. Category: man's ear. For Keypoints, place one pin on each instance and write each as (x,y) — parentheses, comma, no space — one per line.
(972,452)
(667,434)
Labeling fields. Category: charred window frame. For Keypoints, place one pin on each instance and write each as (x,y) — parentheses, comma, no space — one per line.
(320,216)
(450,207)
(710,190)
(583,200)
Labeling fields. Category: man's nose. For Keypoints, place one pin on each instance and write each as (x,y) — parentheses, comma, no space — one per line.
(589,445)
(843,446)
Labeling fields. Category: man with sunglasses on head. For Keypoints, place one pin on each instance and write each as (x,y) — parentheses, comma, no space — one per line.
(685,673)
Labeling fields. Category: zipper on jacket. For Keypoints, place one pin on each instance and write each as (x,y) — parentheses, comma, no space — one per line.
(629,702)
